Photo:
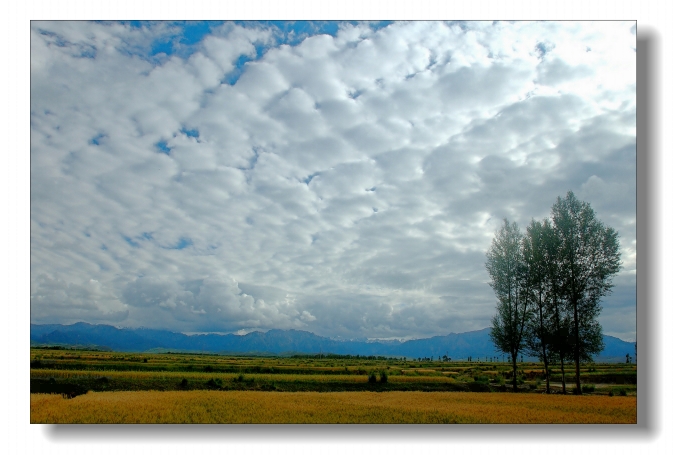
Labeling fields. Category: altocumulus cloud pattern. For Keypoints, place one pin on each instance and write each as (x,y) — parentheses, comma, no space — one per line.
(341,178)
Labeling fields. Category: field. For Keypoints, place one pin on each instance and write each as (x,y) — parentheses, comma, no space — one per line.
(361,407)
(79,386)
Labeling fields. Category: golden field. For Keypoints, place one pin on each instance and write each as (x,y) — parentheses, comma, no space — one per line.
(334,407)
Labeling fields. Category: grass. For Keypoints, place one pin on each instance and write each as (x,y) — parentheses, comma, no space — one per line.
(117,380)
(311,407)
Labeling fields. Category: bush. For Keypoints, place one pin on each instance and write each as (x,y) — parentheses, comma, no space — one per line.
(384,377)
(622,392)
(588,388)
(214,383)
(208,369)
(184,383)
(372,378)
(611,393)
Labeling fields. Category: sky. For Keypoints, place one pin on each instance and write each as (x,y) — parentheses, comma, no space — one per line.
(343,178)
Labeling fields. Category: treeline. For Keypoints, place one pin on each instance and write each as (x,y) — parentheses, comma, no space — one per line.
(335,356)
(549,281)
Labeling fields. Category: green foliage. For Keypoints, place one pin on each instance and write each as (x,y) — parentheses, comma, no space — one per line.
(372,378)
(214,383)
(164,372)
(384,377)
(588,388)
(549,282)
(505,266)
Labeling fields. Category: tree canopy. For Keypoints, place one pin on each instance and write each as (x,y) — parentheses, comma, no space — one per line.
(549,282)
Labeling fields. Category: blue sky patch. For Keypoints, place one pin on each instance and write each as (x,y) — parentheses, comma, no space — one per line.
(310,178)
(131,242)
(159,47)
(163,147)
(232,77)
(194,31)
(182,42)
(183,243)
(96,139)
(191,133)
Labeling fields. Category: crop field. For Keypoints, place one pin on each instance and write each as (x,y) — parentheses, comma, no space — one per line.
(79,386)
(310,407)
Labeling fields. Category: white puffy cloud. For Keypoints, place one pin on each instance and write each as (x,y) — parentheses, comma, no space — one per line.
(348,185)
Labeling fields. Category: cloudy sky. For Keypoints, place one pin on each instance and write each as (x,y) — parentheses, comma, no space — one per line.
(339,178)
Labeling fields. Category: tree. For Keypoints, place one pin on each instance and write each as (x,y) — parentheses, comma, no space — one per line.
(588,258)
(543,338)
(509,280)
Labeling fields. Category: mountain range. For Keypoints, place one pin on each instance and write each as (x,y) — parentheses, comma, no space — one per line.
(475,344)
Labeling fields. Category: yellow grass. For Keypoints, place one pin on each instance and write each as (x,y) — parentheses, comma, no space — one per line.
(360,407)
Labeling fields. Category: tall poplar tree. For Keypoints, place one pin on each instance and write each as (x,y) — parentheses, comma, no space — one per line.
(509,280)
(539,255)
(588,258)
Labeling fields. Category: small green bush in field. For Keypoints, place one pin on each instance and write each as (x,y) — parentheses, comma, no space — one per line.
(588,388)
(372,378)
(384,377)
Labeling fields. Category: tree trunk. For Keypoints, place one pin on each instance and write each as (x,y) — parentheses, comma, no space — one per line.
(563,375)
(546,368)
(578,388)
(514,372)
(542,342)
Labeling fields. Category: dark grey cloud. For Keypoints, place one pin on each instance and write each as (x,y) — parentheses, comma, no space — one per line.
(347,185)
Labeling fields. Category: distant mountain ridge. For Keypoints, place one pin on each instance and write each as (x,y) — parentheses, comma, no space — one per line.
(476,344)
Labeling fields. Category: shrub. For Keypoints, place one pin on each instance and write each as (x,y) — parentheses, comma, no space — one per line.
(384,377)
(611,393)
(588,388)
(184,383)
(622,392)
(208,369)
(372,378)
(214,383)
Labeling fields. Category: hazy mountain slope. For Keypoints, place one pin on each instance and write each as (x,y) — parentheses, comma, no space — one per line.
(476,344)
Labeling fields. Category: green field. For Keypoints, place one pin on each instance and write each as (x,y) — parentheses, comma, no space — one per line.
(57,370)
